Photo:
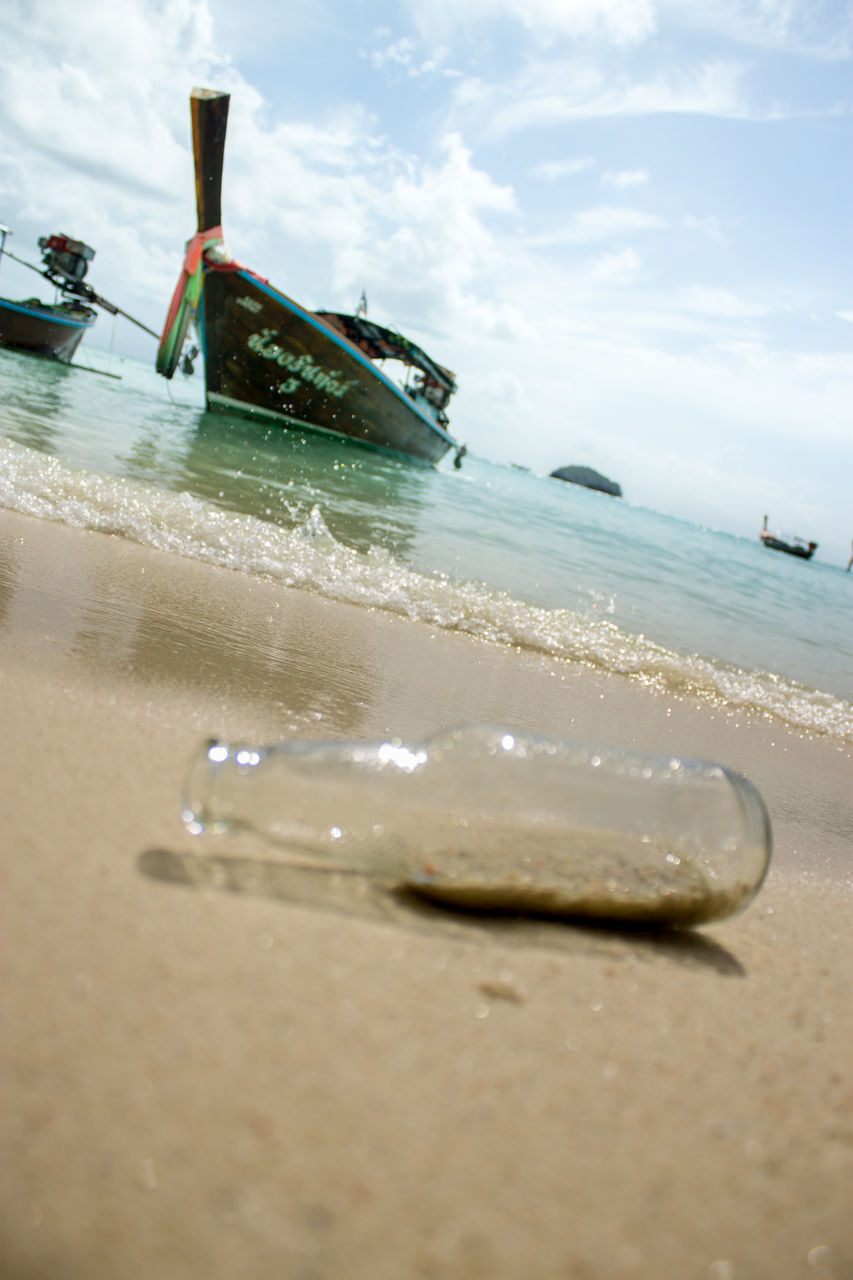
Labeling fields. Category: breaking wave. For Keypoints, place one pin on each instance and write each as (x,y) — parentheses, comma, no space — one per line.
(310,558)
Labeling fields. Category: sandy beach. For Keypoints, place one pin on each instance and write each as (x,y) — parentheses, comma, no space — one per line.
(214,1065)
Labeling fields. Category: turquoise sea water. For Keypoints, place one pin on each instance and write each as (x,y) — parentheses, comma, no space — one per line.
(490,550)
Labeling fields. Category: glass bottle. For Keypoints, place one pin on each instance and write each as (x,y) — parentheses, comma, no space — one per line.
(497,818)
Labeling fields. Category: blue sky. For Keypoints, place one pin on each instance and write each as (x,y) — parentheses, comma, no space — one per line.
(625,224)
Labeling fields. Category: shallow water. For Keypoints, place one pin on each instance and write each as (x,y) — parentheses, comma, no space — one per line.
(491,550)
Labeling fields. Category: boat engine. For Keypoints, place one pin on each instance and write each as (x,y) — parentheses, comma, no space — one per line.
(64,258)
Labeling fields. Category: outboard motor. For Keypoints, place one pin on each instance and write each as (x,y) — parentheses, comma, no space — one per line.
(66,261)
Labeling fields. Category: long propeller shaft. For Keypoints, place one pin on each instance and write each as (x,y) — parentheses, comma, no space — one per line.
(83,291)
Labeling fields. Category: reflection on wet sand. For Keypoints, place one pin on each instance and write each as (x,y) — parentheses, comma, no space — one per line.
(116,619)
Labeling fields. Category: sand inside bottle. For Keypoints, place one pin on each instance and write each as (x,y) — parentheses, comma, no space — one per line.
(585,874)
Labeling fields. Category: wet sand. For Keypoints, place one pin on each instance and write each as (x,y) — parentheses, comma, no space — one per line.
(214,1064)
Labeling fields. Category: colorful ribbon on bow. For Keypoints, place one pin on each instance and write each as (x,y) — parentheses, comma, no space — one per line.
(184,305)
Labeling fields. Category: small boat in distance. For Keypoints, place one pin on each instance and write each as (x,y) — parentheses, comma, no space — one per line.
(55,329)
(267,357)
(793,546)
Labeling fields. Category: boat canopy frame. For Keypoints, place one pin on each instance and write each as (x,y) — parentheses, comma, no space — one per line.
(381,343)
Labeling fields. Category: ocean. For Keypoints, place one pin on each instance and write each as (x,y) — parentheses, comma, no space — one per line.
(491,550)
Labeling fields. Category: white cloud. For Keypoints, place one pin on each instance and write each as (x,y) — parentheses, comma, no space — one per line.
(622,178)
(708,226)
(820,29)
(552,170)
(545,95)
(620,268)
(622,22)
(403,56)
(603,223)
(720,303)
(400,52)
(94,123)
(422,239)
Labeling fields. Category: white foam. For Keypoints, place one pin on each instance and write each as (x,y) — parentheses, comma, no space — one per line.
(309,557)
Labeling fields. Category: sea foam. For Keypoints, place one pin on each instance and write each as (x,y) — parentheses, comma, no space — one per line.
(311,558)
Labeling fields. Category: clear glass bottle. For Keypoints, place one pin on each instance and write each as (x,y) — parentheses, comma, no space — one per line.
(501,819)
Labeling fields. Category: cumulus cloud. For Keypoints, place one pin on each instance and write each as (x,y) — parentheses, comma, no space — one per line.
(406,56)
(623,22)
(552,170)
(622,178)
(721,303)
(605,222)
(620,268)
(430,239)
(93,116)
(708,226)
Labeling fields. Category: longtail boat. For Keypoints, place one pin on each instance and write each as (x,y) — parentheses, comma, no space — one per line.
(55,329)
(792,546)
(267,357)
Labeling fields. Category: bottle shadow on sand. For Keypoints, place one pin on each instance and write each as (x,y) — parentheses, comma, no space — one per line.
(367,897)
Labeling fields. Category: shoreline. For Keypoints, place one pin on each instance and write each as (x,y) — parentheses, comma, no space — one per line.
(219,1065)
(310,558)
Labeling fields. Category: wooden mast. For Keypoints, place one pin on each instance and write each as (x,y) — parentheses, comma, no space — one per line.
(209,112)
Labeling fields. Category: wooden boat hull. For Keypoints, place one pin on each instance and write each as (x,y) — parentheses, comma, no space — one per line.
(790,548)
(267,356)
(44,330)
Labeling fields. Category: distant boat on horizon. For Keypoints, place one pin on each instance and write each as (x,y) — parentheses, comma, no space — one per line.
(268,357)
(792,546)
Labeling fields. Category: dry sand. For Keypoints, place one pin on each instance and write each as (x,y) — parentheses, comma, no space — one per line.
(217,1066)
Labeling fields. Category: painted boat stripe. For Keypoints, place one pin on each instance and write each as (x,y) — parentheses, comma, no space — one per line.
(46,315)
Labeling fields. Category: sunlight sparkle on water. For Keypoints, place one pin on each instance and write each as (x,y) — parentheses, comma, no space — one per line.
(402,756)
